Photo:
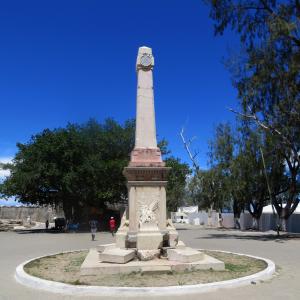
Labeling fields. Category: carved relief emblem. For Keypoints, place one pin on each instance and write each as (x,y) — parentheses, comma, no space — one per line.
(147,212)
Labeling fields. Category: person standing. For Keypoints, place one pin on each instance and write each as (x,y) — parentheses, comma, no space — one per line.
(47,224)
(112,225)
(93,225)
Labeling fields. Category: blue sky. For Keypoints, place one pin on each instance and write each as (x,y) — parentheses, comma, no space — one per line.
(68,61)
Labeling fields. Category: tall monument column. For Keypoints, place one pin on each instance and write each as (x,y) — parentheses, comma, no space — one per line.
(146,152)
(145,136)
(146,174)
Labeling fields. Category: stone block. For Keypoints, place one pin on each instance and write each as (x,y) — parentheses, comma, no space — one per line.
(101,248)
(180,245)
(145,255)
(149,240)
(117,255)
(185,255)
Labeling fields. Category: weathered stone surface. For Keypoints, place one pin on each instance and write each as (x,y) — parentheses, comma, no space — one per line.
(185,255)
(180,245)
(92,265)
(149,240)
(145,255)
(117,255)
(121,237)
(172,233)
(103,247)
(145,135)
(146,157)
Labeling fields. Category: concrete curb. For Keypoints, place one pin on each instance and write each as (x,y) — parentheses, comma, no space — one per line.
(56,287)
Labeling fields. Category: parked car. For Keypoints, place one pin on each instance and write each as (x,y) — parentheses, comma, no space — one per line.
(60,223)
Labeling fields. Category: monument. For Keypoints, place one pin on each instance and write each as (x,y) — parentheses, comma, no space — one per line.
(146,239)
(146,174)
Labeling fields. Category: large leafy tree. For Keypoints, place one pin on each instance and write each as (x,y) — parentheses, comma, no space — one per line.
(242,171)
(210,188)
(176,188)
(268,78)
(255,171)
(221,155)
(81,166)
(76,167)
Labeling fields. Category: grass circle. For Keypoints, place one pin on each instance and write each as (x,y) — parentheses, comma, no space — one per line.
(65,268)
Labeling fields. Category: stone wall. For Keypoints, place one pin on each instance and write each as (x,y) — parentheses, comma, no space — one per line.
(37,214)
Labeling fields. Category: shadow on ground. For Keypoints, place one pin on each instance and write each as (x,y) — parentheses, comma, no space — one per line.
(53,231)
(257,237)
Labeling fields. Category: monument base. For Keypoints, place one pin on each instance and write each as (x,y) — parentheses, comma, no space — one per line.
(149,240)
(117,255)
(93,266)
(149,237)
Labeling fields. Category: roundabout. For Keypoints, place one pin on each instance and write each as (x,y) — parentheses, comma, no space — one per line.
(78,288)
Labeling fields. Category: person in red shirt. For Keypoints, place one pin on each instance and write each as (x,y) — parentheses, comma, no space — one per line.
(112,225)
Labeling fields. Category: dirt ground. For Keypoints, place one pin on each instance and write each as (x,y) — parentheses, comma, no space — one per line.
(66,268)
(15,248)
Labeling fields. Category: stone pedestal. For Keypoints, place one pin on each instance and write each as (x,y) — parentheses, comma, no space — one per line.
(147,205)
(149,237)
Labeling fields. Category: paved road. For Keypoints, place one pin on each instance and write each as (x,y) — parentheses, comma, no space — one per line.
(16,248)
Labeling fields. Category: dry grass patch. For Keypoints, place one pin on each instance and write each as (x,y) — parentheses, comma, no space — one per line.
(65,268)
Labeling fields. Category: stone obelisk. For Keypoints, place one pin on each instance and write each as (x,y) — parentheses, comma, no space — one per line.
(146,174)
(146,233)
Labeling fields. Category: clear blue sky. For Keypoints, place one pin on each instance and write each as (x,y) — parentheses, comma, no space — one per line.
(68,61)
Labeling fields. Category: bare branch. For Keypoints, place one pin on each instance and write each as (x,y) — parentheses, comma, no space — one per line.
(187,148)
(285,140)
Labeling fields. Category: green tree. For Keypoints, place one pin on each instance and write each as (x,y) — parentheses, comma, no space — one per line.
(209,189)
(254,168)
(75,167)
(267,78)
(221,155)
(81,166)
(176,183)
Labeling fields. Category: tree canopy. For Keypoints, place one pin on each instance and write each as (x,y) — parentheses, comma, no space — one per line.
(176,183)
(266,74)
(74,166)
(81,166)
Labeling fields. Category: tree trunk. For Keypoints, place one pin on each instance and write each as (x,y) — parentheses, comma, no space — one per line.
(255,223)
(67,210)
(283,224)
(209,219)
(237,214)
(255,209)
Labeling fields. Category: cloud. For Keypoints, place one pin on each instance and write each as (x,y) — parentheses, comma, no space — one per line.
(3,174)
(10,202)
(5,160)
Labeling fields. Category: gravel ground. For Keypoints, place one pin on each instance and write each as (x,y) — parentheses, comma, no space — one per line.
(15,248)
